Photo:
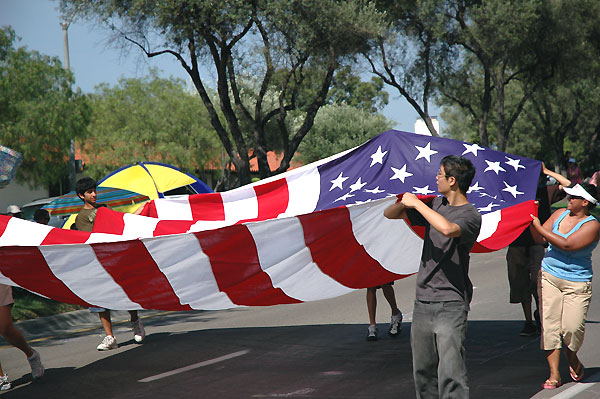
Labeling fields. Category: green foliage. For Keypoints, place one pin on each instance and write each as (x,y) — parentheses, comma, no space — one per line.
(30,306)
(277,44)
(39,112)
(338,128)
(149,119)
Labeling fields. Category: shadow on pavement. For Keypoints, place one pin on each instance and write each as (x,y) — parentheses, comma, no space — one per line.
(325,361)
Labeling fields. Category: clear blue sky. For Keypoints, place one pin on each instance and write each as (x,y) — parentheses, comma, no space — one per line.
(94,61)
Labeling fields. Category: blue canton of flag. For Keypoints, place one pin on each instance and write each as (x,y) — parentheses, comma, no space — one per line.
(397,162)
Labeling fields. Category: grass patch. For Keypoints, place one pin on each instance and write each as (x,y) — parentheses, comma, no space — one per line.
(30,306)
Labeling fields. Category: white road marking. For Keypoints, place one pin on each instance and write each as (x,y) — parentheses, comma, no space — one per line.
(577,388)
(194,366)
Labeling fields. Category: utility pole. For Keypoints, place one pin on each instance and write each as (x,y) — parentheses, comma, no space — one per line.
(71,165)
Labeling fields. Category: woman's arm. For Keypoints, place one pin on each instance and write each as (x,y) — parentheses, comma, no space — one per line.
(563,181)
(587,234)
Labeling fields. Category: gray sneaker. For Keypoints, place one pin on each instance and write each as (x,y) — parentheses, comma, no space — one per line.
(395,325)
(109,342)
(138,330)
(35,362)
(5,384)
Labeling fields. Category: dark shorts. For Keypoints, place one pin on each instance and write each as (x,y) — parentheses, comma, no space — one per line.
(524,265)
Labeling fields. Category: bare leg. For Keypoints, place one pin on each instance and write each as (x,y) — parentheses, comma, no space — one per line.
(10,333)
(372,304)
(572,359)
(388,292)
(106,322)
(553,357)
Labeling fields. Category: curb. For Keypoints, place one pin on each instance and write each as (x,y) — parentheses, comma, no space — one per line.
(70,322)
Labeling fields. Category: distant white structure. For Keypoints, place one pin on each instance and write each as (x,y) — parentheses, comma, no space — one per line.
(421,127)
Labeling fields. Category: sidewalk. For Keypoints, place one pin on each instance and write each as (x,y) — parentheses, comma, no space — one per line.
(78,321)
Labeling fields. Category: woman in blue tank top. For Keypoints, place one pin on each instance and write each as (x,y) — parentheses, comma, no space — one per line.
(566,278)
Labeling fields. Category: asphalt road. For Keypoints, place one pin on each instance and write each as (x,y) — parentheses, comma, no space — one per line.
(310,350)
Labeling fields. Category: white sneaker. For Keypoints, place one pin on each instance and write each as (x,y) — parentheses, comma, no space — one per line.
(138,330)
(396,325)
(109,342)
(5,384)
(372,333)
(37,368)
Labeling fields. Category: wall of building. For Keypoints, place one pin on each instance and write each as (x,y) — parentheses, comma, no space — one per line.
(19,193)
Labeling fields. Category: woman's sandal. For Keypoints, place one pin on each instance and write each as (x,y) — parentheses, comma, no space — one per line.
(577,375)
(551,384)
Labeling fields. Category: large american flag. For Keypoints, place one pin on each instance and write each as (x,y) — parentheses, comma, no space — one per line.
(312,233)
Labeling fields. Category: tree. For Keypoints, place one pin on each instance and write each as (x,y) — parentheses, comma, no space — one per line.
(503,42)
(148,119)
(39,112)
(338,128)
(412,53)
(258,39)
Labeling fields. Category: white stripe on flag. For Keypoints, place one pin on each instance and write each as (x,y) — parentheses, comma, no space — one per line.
(292,269)
(21,232)
(240,204)
(188,270)
(489,224)
(137,226)
(79,269)
(173,208)
(374,232)
(304,190)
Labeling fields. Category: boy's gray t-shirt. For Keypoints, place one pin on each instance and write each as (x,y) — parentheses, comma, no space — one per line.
(443,273)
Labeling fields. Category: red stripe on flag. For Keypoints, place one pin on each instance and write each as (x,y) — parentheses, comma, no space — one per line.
(149,210)
(273,198)
(165,227)
(134,269)
(61,236)
(236,267)
(207,206)
(513,221)
(328,235)
(3,223)
(109,221)
(27,267)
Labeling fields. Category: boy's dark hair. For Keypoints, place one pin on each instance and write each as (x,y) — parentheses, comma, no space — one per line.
(41,215)
(461,168)
(84,184)
(593,191)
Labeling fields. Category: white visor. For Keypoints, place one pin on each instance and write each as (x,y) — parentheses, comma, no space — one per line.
(579,191)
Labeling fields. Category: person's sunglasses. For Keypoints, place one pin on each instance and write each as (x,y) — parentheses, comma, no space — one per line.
(570,197)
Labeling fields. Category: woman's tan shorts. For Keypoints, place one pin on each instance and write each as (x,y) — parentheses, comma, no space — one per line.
(564,309)
(6,297)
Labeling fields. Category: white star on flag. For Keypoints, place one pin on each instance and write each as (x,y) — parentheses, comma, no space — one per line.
(345,197)
(487,208)
(377,157)
(515,163)
(472,148)
(363,202)
(512,189)
(425,152)
(357,186)
(495,166)
(400,173)
(376,190)
(338,182)
(475,187)
(423,190)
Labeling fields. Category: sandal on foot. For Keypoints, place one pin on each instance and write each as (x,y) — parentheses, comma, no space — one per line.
(577,375)
(551,384)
